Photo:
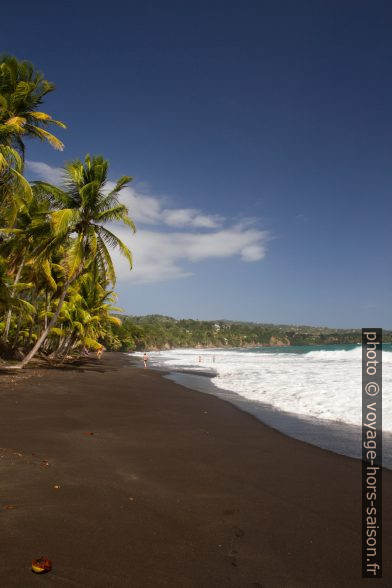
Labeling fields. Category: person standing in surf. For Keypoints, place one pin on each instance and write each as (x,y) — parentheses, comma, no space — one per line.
(145,359)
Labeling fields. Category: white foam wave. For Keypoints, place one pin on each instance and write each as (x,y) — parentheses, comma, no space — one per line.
(322,384)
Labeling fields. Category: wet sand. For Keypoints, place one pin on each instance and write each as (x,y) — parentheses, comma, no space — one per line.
(174,488)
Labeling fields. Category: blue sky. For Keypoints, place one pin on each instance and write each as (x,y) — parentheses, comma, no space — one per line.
(259,136)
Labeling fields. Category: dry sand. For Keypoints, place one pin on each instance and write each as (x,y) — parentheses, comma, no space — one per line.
(174,488)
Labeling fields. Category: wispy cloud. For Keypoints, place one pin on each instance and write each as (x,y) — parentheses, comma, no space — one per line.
(190,217)
(153,210)
(159,256)
(180,237)
(45,172)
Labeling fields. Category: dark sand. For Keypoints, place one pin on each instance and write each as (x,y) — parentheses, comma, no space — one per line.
(175,488)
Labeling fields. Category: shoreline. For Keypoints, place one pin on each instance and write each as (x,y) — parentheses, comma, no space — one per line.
(338,437)
(291,425)
(174,488)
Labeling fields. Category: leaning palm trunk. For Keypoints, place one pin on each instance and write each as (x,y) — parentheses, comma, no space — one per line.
(68,347)
(9,313)
(63,345)
(52,321)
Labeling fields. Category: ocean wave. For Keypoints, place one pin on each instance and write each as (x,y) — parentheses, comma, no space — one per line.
(319,384)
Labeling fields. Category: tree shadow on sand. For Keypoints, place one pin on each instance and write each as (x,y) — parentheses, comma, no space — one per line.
(80,364)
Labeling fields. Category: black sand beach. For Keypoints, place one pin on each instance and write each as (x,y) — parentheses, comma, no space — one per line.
(125,479)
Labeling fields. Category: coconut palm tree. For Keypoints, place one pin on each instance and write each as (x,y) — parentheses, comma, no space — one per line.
(85,316)
(8,299)
(81,211)
(15,190)
(98,304)
(21,240)
(22,89)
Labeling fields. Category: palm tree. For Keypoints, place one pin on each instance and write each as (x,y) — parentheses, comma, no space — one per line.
(19,242)
(8,299)
(85,316)
(11,166)
(82,209)
(97,303)
(15,190)
(22,89)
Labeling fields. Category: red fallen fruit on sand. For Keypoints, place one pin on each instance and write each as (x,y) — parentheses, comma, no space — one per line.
(41,565)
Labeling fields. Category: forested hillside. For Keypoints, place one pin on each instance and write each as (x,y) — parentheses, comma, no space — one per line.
(162,332)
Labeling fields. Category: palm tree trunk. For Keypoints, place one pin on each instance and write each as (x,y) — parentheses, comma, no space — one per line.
(52,321)
(9,313)
(67,347)
(62,344)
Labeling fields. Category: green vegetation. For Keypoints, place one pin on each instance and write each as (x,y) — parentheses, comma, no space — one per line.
(161,332)
(56,272)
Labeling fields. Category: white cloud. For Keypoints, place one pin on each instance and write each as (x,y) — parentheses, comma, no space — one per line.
(159,256)
(45,172)
(142,208)
(180,236)
(148,209)
(190,217)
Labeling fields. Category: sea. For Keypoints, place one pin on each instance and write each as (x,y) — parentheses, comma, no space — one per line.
(311,393)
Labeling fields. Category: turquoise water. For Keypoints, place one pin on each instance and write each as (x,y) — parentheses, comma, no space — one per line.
(303,349)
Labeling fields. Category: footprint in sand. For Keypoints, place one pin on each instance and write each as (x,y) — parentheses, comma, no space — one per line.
(238,532)
(232,560)
(230,511)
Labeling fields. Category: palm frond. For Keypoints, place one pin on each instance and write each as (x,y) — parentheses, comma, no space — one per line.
(104,261)
(91,343)
(63,221)
(75,256)
(45,136)
(46,118)
(45,266)
(113,241)
(117,213)
(16,121)
(22,184)
(55,195)
(120,184)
